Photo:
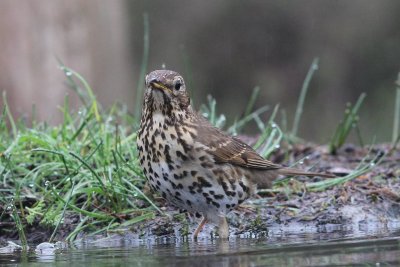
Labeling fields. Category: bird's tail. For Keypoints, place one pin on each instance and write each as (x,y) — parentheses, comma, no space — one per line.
(292,171)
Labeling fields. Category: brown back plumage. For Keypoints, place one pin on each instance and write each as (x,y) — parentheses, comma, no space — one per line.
(228,149)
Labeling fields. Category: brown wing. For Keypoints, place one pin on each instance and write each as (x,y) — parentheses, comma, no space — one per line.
(228,149)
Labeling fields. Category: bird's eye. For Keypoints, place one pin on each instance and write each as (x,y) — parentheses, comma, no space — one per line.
(178,85)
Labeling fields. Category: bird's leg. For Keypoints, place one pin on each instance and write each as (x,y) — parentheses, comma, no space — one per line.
(223,228)
(199,228)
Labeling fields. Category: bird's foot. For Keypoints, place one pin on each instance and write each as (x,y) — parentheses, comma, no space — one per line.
(199,228)
(223,228)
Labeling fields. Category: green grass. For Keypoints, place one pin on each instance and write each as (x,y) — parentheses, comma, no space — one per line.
(143,66)
(396,116)
(87,166)
(349,122)
(302,99)
(209,111)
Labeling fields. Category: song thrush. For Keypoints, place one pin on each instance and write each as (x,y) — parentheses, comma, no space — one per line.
(192,164)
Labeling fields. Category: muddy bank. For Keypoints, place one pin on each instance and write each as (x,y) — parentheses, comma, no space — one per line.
(369,202)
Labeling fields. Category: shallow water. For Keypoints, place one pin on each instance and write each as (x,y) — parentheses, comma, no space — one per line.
(330,249)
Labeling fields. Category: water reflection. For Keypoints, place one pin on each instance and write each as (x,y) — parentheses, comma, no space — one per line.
(298,251)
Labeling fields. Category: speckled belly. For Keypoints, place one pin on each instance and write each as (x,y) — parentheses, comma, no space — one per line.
(184,173)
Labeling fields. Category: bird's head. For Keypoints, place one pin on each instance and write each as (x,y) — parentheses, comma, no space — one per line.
(166,91)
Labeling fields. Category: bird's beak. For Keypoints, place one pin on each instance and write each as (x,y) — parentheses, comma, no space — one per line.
(158,85)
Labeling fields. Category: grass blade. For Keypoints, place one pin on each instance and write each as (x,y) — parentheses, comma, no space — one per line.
(253,98)
(143,66)
(62,214)
(302,97)
(364,167)
(396,116)
(349,122)
(9,115)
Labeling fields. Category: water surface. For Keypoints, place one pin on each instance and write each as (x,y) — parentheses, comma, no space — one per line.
(334,249)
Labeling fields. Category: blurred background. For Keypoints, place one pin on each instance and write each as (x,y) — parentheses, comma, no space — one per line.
(224,48)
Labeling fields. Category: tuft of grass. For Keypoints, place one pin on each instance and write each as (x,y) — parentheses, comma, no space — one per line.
(271,135)
(238,125)
(349,122)
(86,168)
(209,111)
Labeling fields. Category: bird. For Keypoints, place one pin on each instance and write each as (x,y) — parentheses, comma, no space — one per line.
(192,164)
